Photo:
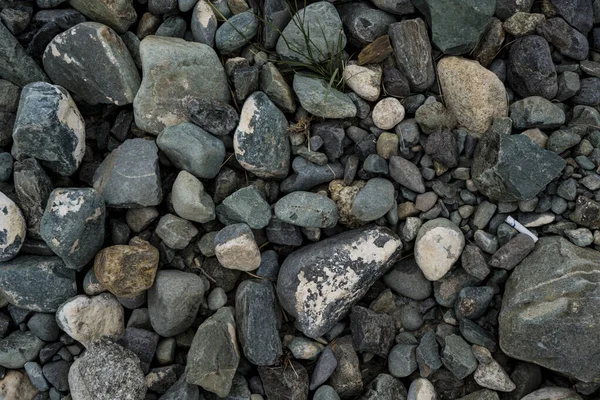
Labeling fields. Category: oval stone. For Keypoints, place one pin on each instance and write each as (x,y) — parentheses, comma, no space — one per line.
(307,209)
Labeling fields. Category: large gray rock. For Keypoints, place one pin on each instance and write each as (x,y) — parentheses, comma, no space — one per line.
(549,309)
(49,128)
(15,64)
(321,23)
(118,14)
(174,72)
(261,141)
(512,167)
(214,355)
(319,283)
(129,177)
(107,371)
(92,61)
(37,283)
(319,98)
(530,70)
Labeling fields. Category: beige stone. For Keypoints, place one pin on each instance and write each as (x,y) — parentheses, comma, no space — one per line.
(472,93)
(344,195)
(388,113)
(365,81)
(538,137)
(16,386)
(522,23)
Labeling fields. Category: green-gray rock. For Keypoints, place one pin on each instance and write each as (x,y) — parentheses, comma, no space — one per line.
(549,309)
(536,112)
(174,71)
(274,85)
(18,348)
(319,98)
(92,61)
(246,205)
(118,14)
(307,209)
(15,64)
(374,200)
(261,140)
(236,32)
(321,24)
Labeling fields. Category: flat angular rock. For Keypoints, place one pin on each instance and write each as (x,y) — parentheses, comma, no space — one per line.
(119,14)
(174,72)
(569,41)
(190,200)
(307,209)
(37,283)
(173,301)
(92,61)
(246,205)
(16,65)
(285,383)
(438,246)
(578,13)
(319,283)
(261,141)
(109,371)
(50,128)
(530,69)
(472,93)
(546,317)
(182,390)
(536,112)
(73,225)
(256,317)
(412,50)
(12,229)
(215,117)
(214,355)
(318,98)
(273,84)
(512,167)
(458,357)
(129,177)
(371,332)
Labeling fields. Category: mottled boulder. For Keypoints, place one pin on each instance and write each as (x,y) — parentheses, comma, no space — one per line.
(118,14)
(261,141)
(91,60)
(530,70)
(319,283)
(549,309)
(49,128)
(12,229)
(16,65)
(175,72)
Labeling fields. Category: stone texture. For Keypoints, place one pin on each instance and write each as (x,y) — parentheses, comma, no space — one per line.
(322,100)
(246,205)
(119,15)
(16,385)
(236,248)
(530,70)
(18,348)
(12,229)
(190,200)
(281,382)
(17,66)
(438,246)
(307,209)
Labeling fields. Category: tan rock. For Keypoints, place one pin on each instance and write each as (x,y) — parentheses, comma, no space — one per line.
(365,81)
(16,386)
(472,93)
(537,136)
(387,145)
(344,195)
(407,209)
(127,270)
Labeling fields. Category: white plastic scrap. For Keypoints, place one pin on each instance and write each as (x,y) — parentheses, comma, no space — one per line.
(515,224)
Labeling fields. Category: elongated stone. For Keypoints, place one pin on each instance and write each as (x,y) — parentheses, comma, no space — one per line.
(15,64)
(306,209)
(118,14)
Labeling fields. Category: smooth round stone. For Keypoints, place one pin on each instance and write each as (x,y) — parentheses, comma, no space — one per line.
(236,248)
(374,200)
(34,371)
(438,246)
(407,279)
(216,299)
(388,113)
(12,228)
(246,205)
(326,392)
(410,318)
(319,98)
(190,200)
(307,209)
(237,32)
(191,148)
(204,23)
(304,349)
(127,270)
(172,27)
(421,389)
(18,348)
(402,360)
(365,81)
(44,326)
(87,319)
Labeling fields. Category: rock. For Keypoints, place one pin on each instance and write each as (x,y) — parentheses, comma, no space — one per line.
(17,66)
(174,72)
(567,40)
(578,13)
(495,171)
(256,317)
(364,24)
(531,71)
(326,392)
(236,248)
(204,23)
(365,81)
(458,357)
(421,389)
(472,302)
(190,200)
(173,301)
(319,98)
(44,326)
(475,334)
(588,93)
(322,24)
(428,354)
(346,379)
(139,219)
(582,237)
(513,252)
(562,140)
(507,8)
(308,175)
(18,348)
(127,270)
(119,15)
(553,393)
(57,373)
(384,387)
(142,342)
(129,176)
(490,43)
(108,371)
(215,117)
(489,373)
(374,200)
(456,26)
(402,361)
(412,50)
(407,279)
(324,368)
(406,173)
(484,394)
(550,274)
(49,109)
(371,332)
(172,27)
(246,205)
(438,246)
(319,283)
(214,355)
(236,32)
(307,209)
(304,349)
(16,385)
(261,141)
(281,382)
(191,148)
(474,263)
(36,376)
(273,84)
(181,390)
(388,113)
(523,23)
(37,283)
(536,112)
(33,187)
(472,93)
(12,229)
(87,319)
(92,61)
(73,225)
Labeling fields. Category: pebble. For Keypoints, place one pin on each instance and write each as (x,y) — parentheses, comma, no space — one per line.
(530,69)
(324,367)
(57,374)
(523,23)
(489,374)
(44,326)
(119,15)
(346,379)
(18,348)
(388,113)
(512,253)
(317,97)
(581,237)
(472,302)
(326,392)
(421,389)
(36,376)
(273,84)
(402,361)
(458,357)
(236,248)
(371,332)
(307,209)
(569,41)
(374,200)
(407,279)
(15,385)
(236,33)
(215,117)
(139,219)
(12,227)
(406,174)
(203,23)
(304,349)
(558,393)
(365,81)
(190,200)
(176,233)
(536,112)
(438,240)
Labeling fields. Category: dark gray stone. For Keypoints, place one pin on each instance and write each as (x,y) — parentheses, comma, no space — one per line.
(57,374)
(406,173)
(371,332)
(274,85)
(49,127)
(261,141)
(245,81)
(395,83)
(441,146)
(474,263)
(458,357)
(456,25)
(142,342)
(475,334)
(407,279)
(547,317)
(384,387)
(269,265)
(181,390)
(363,23)
(285,382)
(16,65)
(536,112)
(472,302)
(568,85)
(129,177)
(346,379)
(412,50)
(513,252)
(402,360)
(119,14)
(589,93)
(428,354)
(324,368)
(308,175)
(319,283)
(446,289)
(562,140)
(18,348)
(214,116)
(531,71)
(307,209)
(161,6)
(279,232)
(527,378)
(374,200)
(326,392)
(569,42)
(37,283)
(587,213)
(236,32)
(510,168)
(172,27)
(44,326)
(578,13)
(333,135)
(277,15)
(246,205)
(507,8)
(398,7)
(36,376)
